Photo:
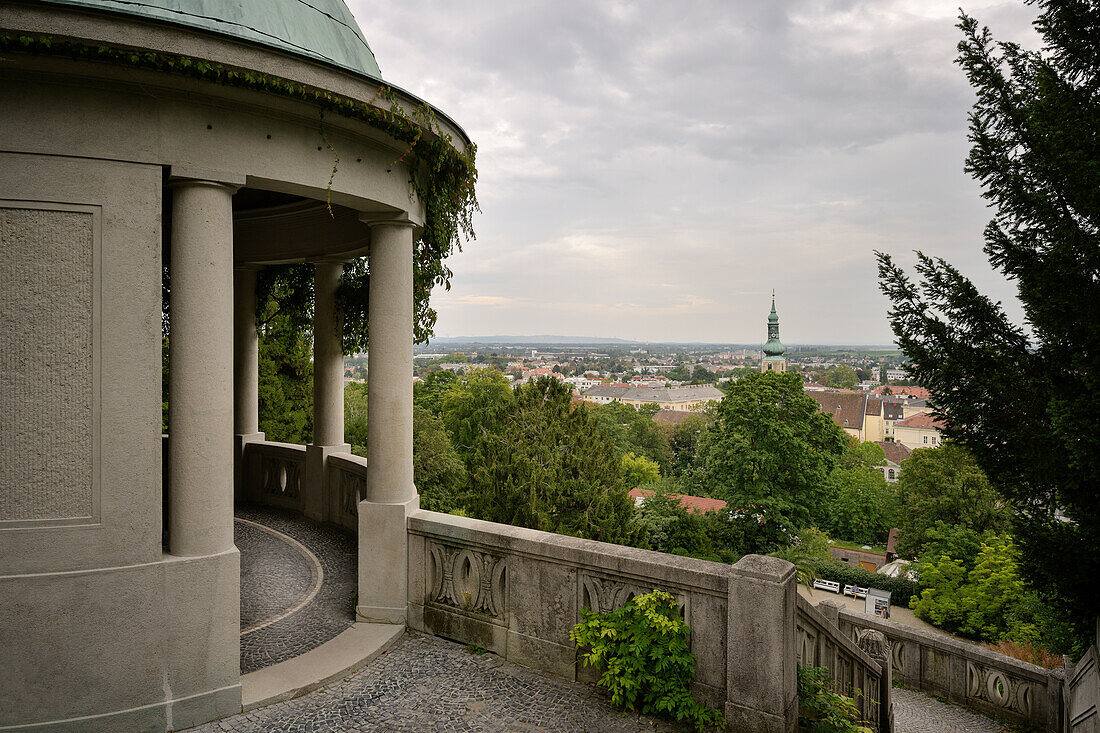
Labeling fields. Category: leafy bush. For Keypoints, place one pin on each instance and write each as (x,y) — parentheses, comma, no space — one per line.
(642,648)
(820,710)
(901,589)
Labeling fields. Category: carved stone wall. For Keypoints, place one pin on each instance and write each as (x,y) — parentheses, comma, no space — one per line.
(273,473)
(519,592)
(47,365)
(820,643)
(281,477)
(605,593)
(1082,693)
(467,579)
(998,688)
(968,674)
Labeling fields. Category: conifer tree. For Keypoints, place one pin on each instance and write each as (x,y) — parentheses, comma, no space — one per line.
(542,464)
(1025,400)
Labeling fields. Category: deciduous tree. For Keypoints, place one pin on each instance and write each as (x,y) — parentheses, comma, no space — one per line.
(769,452)
(945,485)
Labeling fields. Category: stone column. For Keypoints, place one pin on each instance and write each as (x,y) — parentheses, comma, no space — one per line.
(328,356)
(328,389)
(391,495)
(761,685)
(200,418)
(246,372)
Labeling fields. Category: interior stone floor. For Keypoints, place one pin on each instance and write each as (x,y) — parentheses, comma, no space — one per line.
(298,584)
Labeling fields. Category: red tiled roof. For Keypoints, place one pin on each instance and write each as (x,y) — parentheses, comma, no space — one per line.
(919,393)
(694,504)
(671,417)
(895,452)
(846,408)
(921,420)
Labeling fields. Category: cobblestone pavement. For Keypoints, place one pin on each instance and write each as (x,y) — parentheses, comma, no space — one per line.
(275,576)
(425,684)
(918,712)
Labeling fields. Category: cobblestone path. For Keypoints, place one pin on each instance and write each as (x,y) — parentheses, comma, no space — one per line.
(316,565)
(425,684)
(918,712)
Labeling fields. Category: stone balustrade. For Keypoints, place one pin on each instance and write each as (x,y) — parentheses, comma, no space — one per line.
(820,643)
(967,674)
(1082,692)
(273,474)
(518,592)
(347,482)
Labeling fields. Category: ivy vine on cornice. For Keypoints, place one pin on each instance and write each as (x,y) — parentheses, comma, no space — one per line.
(442,177)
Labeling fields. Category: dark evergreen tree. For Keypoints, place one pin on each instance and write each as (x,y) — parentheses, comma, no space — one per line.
(1025,400)
(286,382)
(540,463)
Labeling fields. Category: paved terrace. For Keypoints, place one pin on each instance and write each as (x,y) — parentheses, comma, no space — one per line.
(297,592)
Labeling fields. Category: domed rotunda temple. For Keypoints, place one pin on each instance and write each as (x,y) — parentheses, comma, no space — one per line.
(205,139)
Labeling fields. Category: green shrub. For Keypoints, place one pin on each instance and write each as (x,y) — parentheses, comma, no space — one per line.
(901,589)
(642,648)
(820,710)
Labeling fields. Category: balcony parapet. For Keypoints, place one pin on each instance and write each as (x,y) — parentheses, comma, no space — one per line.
(518,592)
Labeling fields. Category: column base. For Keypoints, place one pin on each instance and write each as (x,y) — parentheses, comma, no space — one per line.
(240,440)
(315,484)
(384,561)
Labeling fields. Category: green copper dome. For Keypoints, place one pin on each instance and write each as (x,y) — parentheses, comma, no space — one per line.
(324,30)
(773,347)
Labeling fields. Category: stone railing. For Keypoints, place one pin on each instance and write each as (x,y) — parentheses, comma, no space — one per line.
(347,481)
(854,671)
(967,674)
(518,592)
(1082,693)
(273,473)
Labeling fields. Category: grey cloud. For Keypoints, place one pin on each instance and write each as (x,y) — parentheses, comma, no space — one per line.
(706,150)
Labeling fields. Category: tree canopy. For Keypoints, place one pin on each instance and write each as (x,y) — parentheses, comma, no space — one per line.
(1024,399)
(769,451)
(547,466)
(945,485)
(861,504)
(840,376)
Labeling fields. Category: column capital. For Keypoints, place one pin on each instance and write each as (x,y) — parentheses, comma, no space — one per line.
(373,219)
(181,175)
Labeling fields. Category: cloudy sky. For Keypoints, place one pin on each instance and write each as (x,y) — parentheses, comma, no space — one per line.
(651,170)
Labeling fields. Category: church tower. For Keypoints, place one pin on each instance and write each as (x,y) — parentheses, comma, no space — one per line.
(773,360)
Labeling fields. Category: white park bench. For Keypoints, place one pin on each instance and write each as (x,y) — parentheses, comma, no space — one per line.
(829,585)
(855,591)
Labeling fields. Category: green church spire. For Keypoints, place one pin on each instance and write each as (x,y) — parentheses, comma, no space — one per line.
(773,347)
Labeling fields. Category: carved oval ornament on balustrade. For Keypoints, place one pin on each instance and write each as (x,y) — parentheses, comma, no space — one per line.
(352,489)
(467,578)
(281,477)
(998,688)
(604,594)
